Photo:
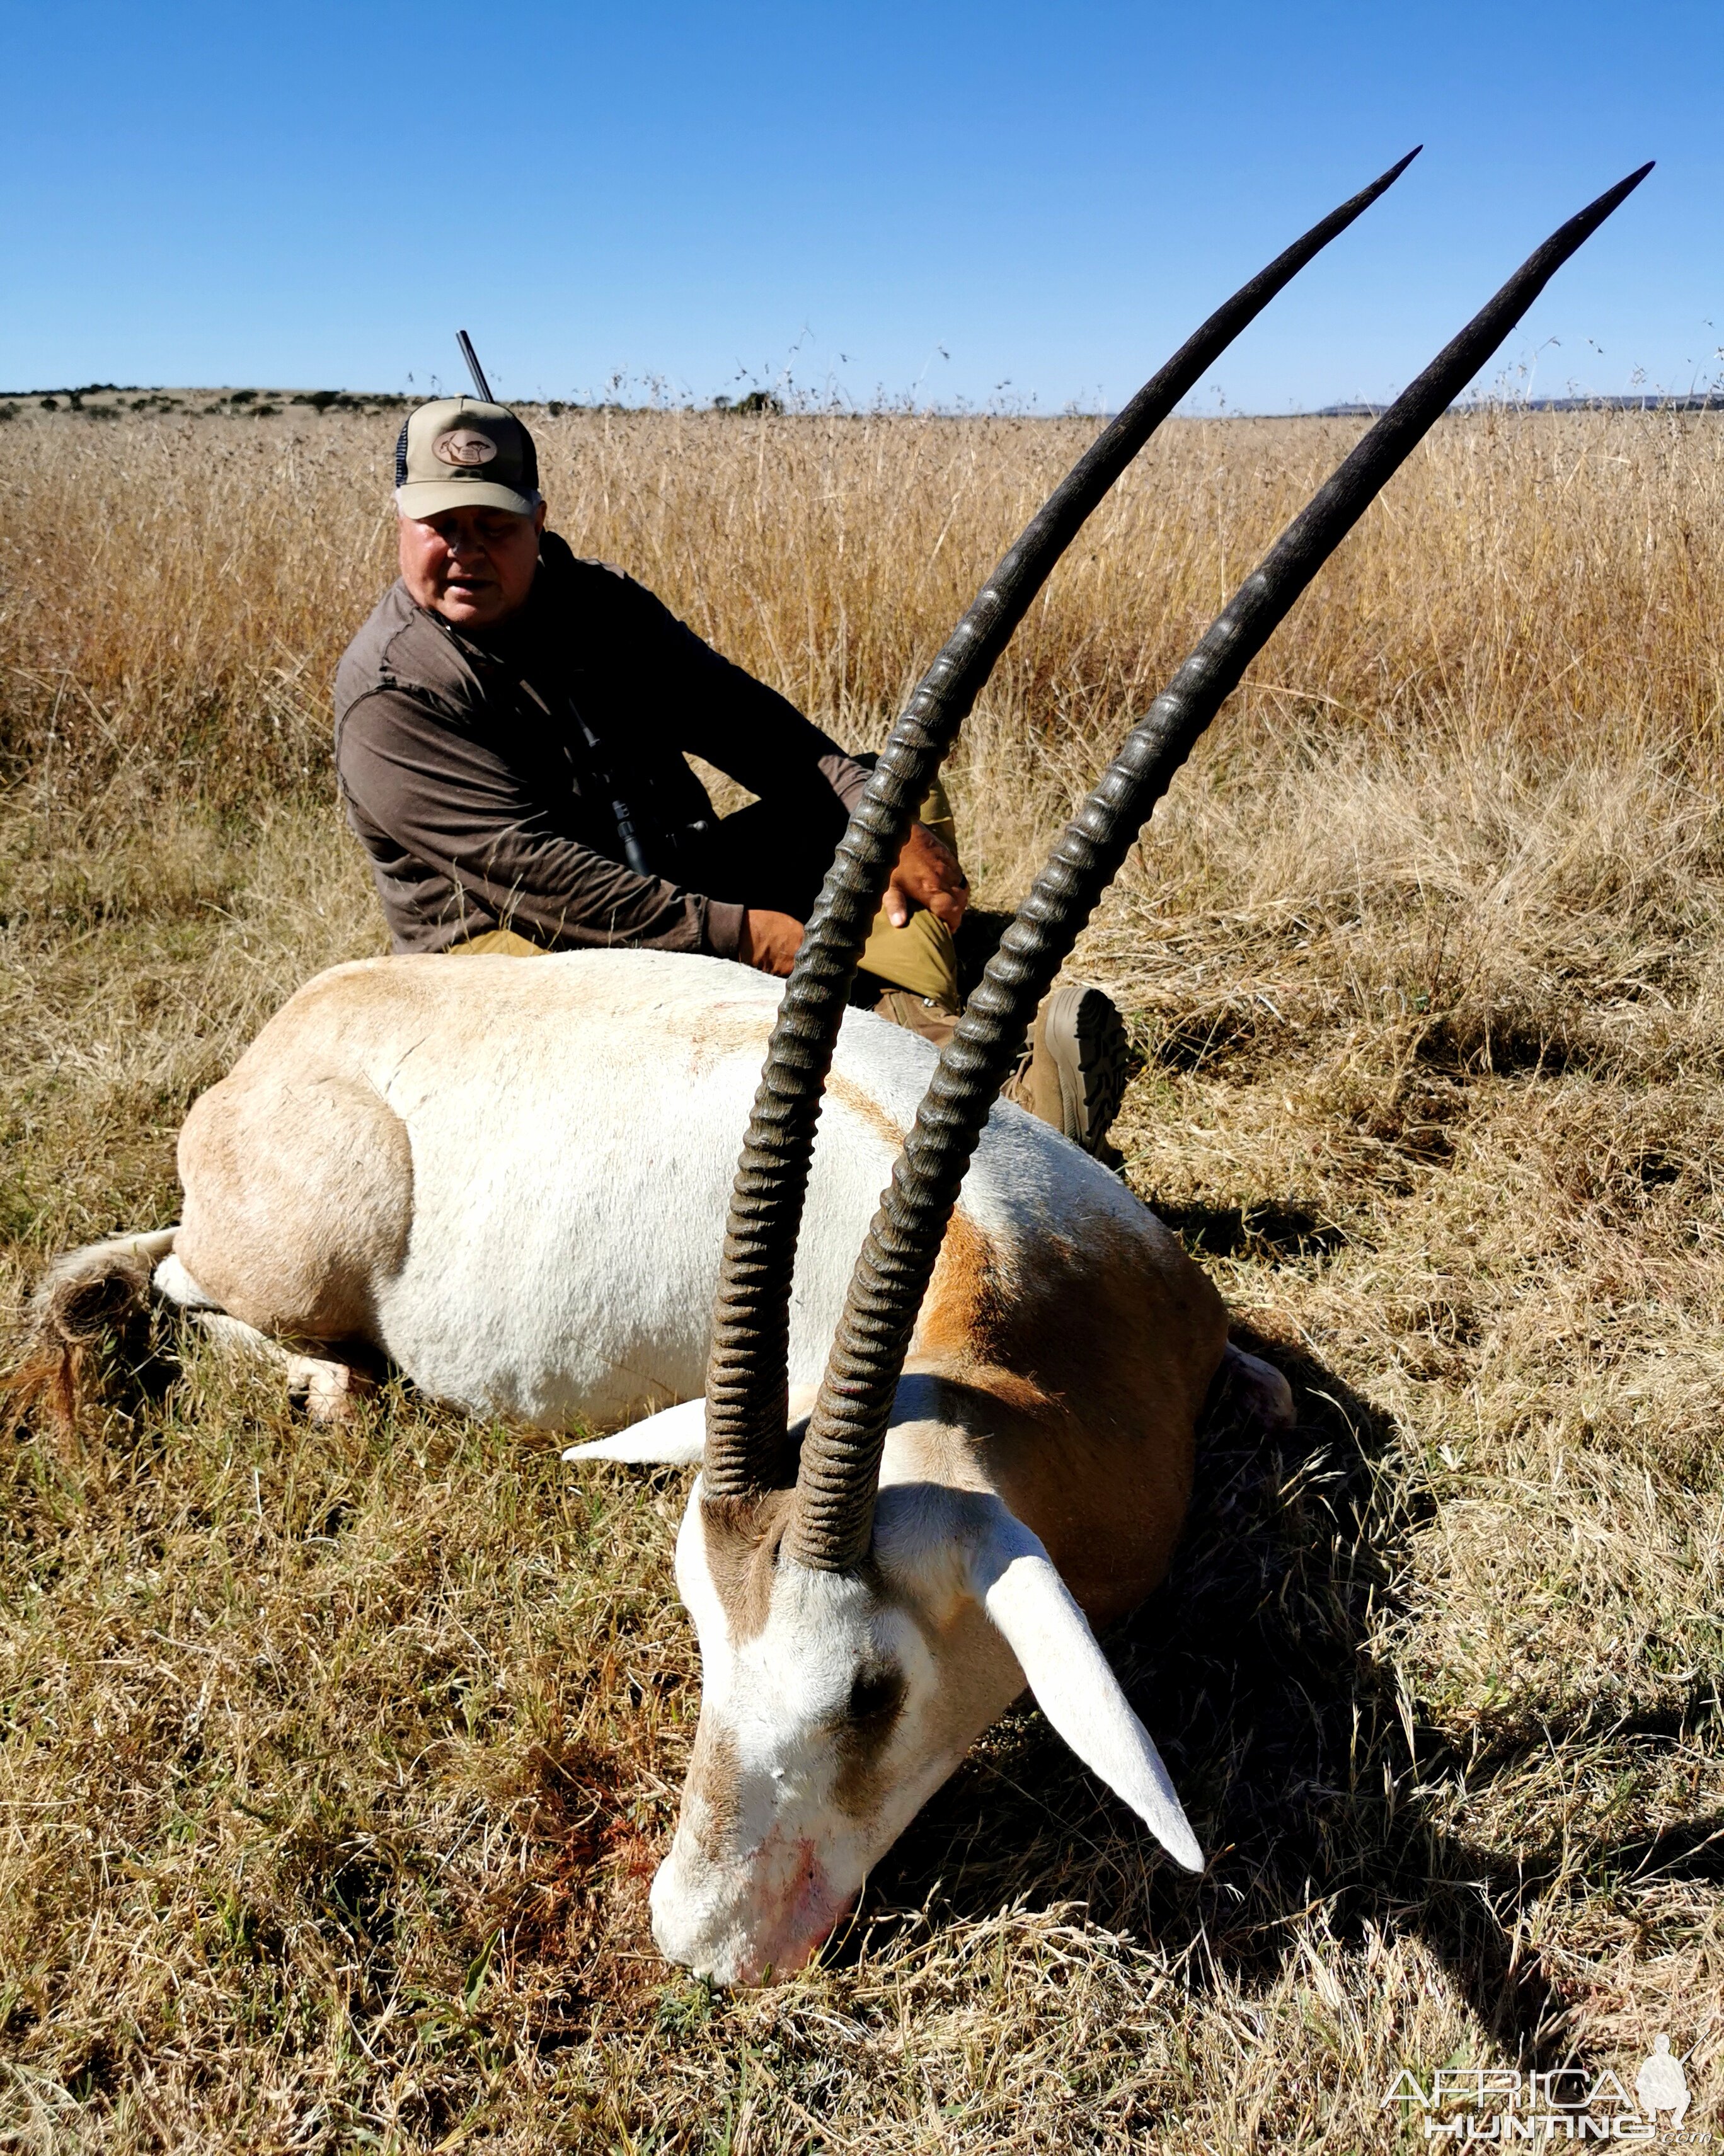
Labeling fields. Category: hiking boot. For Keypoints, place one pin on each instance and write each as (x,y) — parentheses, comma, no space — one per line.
(1075,1078)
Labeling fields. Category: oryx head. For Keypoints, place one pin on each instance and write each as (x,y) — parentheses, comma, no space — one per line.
(855,1639)
(844,1675)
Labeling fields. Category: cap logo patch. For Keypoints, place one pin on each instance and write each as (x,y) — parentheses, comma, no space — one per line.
(463,446)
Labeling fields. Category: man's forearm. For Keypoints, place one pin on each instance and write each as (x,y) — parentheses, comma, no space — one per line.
(562,895)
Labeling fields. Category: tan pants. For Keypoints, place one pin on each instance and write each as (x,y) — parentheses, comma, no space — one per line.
(930,1017)
(919,958)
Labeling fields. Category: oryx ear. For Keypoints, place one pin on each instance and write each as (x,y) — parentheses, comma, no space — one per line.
(1012,1577)
(674,1437)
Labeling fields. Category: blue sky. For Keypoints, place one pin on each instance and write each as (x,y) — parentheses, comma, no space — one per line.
(963,202)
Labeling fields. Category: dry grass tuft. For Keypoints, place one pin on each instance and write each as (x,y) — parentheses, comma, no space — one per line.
(334,1763)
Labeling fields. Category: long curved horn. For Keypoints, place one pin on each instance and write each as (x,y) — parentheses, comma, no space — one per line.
(746,1370)
(833,1519)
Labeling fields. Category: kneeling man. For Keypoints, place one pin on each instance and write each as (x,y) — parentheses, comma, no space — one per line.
(511,726)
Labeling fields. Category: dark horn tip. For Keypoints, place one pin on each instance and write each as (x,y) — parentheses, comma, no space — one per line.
(1384,181)
(1581,227)
(1623,189)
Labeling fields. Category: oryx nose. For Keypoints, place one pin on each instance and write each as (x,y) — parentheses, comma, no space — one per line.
(696,1933)
(675,1932)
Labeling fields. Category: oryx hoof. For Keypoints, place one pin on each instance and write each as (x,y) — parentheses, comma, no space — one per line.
(326,1392)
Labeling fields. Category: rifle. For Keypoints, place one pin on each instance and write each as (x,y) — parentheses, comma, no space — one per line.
(622,814)
(474,367)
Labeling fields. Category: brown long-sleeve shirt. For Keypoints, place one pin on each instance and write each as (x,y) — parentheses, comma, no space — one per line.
(481,775)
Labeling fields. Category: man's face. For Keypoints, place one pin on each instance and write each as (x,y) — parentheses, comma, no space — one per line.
(475,567)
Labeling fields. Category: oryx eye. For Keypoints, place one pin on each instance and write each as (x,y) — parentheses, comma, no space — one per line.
(876,1694)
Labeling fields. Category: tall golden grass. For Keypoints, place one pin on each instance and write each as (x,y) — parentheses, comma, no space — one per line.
(332,1764)
(183,589)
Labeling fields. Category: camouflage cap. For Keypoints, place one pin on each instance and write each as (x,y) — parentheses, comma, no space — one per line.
(456,453)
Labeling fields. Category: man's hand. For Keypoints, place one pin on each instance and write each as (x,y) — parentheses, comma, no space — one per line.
(769,941)
(928,875)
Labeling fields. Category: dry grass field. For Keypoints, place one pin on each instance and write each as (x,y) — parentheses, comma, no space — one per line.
(334,1764)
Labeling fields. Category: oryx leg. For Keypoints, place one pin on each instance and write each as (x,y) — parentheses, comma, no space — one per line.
(299,1202)
(298,1199)
(326,1389)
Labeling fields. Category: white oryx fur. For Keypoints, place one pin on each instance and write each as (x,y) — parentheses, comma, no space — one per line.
(509,1176)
